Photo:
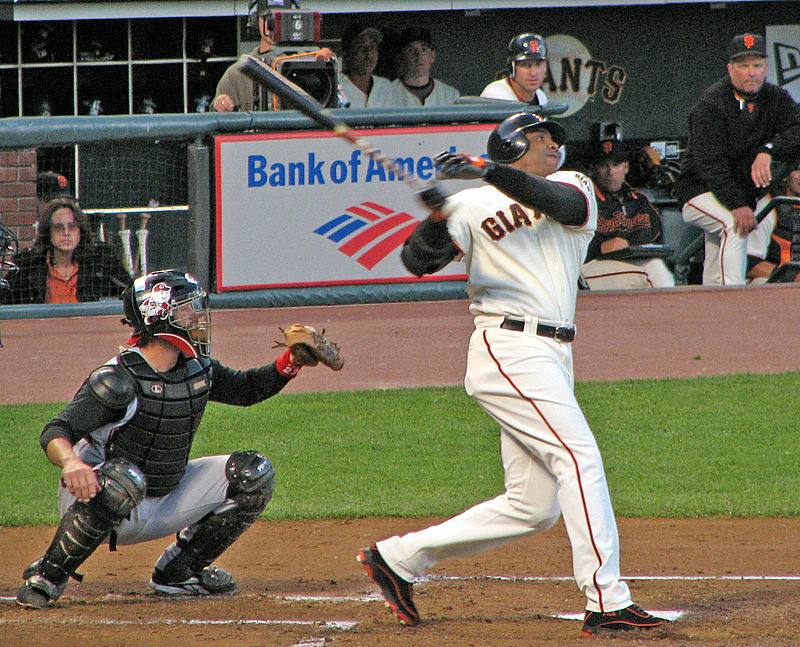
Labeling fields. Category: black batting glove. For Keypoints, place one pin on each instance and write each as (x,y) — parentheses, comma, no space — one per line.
(458,166)
(432,197)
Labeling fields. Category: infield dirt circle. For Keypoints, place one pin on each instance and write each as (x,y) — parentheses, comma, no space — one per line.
(734,582)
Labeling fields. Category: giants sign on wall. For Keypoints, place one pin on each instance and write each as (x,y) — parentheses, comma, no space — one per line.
(306,209)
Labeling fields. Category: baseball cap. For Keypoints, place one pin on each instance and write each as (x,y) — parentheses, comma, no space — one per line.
(609,149)
(414,34)
(746,45)
(354,31)
(51,185)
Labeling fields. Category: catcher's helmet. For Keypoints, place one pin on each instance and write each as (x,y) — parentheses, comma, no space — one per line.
(507,142)
(525,47)
(171,305)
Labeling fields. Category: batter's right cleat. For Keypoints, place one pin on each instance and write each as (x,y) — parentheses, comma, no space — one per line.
(395,590)
(212,580)
(632,617)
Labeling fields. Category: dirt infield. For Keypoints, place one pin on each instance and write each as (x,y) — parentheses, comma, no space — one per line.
(735,582)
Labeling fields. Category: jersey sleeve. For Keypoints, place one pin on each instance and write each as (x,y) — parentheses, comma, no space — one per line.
(246,387)
(83,415)
(586,188)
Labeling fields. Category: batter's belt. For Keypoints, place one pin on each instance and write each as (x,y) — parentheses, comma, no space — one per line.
(561,332)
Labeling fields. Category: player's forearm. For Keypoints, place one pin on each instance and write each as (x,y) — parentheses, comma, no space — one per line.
(561,202)
(59,452)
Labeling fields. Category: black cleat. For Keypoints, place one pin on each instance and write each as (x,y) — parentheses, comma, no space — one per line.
(632,617)
(212,580)
(395,590)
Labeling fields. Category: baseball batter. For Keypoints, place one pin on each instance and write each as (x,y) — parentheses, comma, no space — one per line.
(123,446)
(523,239)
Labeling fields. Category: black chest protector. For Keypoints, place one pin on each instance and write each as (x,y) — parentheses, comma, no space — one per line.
(158,437)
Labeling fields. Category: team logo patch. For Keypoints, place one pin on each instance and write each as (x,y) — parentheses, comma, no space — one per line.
(533,45)
(749,41)
(368,232)
(607,147)
(157,304)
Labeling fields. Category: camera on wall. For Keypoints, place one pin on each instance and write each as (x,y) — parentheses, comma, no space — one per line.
(296,33)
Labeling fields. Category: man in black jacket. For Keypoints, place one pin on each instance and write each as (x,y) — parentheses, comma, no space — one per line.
(740,124)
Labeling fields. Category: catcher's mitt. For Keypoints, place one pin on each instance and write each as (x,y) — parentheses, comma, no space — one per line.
(310,347)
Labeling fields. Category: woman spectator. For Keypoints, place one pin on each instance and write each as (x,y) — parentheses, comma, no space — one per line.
(65,265)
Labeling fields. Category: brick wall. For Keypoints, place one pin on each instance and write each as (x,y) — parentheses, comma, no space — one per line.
(18,193)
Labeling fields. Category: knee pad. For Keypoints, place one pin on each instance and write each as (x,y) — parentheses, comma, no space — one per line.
(122,488)
(251,480)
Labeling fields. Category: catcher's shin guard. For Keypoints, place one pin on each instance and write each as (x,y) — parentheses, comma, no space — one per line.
(81,530)
(251,479)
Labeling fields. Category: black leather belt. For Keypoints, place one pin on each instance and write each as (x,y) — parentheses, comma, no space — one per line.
(559,333)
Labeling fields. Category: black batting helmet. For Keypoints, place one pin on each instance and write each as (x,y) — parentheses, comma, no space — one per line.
(171,305)
(525,47)
(507,142)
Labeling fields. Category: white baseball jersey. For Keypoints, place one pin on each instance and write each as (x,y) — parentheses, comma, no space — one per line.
(500,89)
(519,261)
(381,95)
(442,95)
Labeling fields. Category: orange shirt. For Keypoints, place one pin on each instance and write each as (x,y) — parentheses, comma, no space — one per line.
(59,289)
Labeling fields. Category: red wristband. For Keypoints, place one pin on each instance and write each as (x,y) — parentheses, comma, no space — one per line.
(286,366)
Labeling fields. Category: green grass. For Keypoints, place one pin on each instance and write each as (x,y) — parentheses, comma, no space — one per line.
(719,446)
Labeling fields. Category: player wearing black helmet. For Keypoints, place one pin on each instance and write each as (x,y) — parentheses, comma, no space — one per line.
(523,237)
(524,72)
(123,447)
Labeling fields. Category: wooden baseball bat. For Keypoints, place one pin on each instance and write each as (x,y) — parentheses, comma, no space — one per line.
(125,237)
(305,103)
(141,234)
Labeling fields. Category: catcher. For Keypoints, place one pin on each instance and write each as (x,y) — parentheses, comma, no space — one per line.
(123,446)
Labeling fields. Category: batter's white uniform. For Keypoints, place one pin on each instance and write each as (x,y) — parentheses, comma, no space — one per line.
(524,265)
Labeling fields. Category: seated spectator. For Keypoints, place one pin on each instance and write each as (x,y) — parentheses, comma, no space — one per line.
(414,85)
(238,92)
(524,72)
(360,50)
(65,265)
(627,250)
(780,261)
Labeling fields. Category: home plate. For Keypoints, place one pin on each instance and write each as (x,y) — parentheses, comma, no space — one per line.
(667,614)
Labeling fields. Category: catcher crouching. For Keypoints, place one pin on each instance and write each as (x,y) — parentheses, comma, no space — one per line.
(123,446)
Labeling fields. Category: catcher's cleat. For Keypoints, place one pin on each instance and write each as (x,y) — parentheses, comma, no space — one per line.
(395,590)
(212,580)
(632,617)
(38,592)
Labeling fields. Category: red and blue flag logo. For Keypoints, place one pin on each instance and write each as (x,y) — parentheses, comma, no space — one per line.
(368,232)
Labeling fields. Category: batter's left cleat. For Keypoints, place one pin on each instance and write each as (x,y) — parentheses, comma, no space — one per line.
(395,590)
(212,580)
(632,617)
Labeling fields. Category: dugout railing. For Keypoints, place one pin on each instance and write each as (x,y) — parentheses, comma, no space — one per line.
(154,173)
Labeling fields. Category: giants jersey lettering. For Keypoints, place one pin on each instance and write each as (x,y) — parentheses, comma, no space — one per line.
(520,261)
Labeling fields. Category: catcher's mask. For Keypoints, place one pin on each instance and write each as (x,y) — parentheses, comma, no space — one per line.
(171,305)
(508,143)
